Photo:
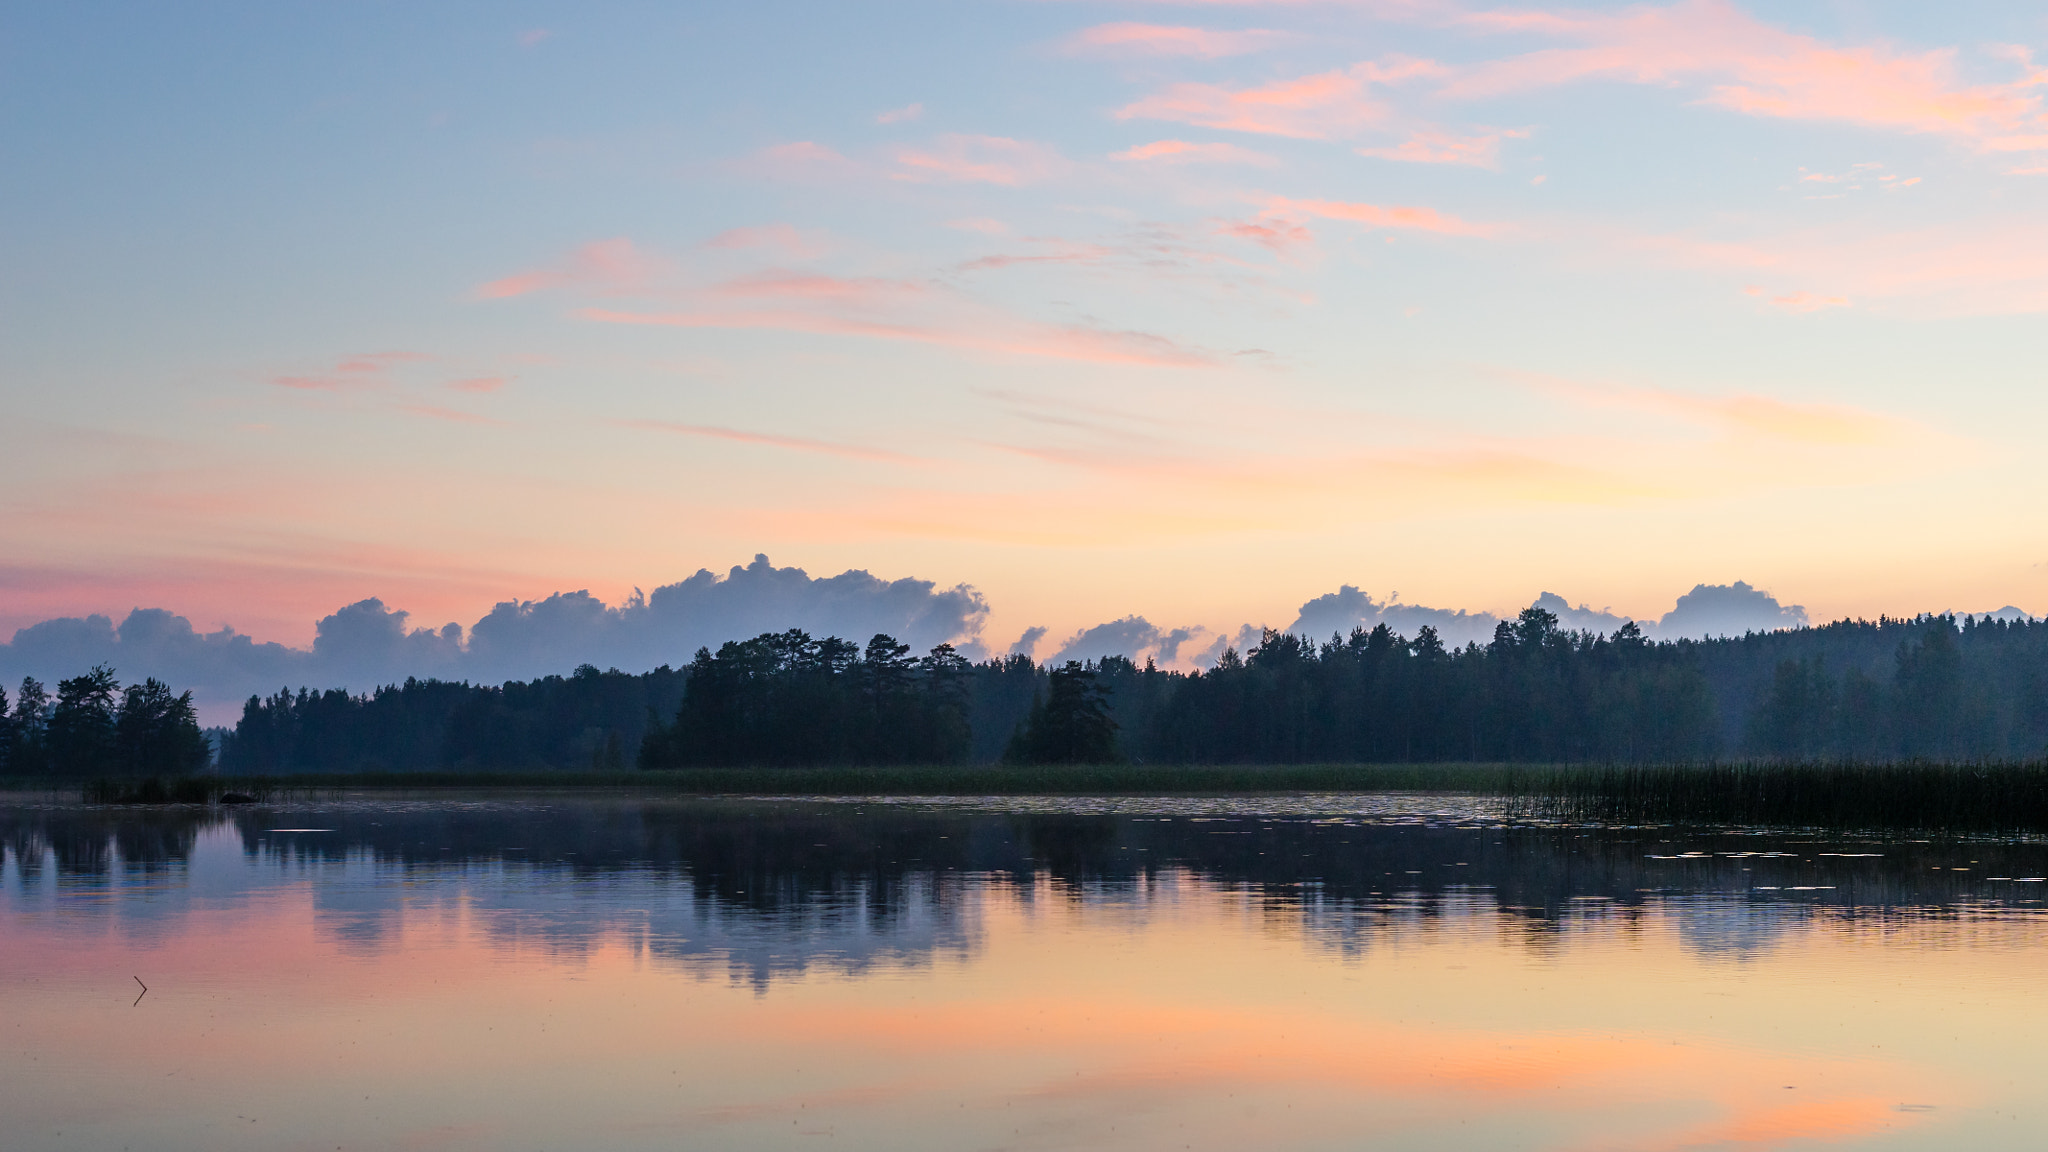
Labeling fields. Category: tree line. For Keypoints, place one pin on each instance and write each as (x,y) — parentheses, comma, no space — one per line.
(1931,688)
(95,728)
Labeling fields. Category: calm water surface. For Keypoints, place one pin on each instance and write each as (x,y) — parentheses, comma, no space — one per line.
(1331,972)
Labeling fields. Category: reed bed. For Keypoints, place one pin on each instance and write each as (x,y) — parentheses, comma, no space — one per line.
(1989,797)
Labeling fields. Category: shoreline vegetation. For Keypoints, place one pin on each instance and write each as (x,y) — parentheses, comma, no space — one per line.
(1936,722)
(2010,797)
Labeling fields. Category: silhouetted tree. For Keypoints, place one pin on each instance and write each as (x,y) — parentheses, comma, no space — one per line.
(81,726)
(1070,724)
(157,733)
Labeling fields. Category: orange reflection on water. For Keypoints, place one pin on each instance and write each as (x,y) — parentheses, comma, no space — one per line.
(1180,1015)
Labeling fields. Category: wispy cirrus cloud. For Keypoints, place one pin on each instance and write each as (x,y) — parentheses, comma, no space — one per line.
(1733,59)
(1745,413)
(1316,107)
(1183,152)
(1433,147)
(1134,39)
(901,115)
(784,238)
(352,373)
(1399,216)
(770,440)
(801,162)
(860,291)
(1058,342)
(1279,235)
(1758,69)
(608,267)
(911,310)
(960,158)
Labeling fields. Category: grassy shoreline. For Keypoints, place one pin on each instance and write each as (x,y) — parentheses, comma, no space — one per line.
(1997,797)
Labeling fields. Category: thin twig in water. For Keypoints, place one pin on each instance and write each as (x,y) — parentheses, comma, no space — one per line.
(141,994)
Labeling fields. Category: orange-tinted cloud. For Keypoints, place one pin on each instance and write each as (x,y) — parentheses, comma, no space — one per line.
(794,443)
(1163,40)
(604,266)
(1745,413)
(780,237)
(478,384)
(1758,69)
(800,161)
(1282,236)
(961,158)
(1376,216)
(1183,152)
(1429,147)
(1321,106)
(1051,341)
(858,291)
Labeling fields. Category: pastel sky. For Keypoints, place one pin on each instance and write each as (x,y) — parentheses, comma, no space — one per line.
(1196,310)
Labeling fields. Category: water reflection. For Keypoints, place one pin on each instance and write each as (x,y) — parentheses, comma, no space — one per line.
(1308,972)
(776,887)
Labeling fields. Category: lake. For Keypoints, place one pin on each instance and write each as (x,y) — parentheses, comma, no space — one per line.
(1303,972)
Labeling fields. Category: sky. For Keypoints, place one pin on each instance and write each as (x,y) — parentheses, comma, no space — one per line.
(1196,312)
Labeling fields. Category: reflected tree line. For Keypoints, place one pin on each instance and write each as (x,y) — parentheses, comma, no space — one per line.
(1931,688)
(788,861)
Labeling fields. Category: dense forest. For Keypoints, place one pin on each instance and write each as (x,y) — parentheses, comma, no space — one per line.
(1929,688)
(94,728)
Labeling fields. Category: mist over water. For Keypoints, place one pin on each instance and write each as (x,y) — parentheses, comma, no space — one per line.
(1021,972)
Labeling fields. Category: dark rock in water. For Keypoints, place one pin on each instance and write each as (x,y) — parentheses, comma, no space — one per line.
(237,798)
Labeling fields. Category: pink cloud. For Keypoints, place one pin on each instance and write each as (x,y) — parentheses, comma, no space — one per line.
(368,362)
(1162,40)
(1376,216)
(796,443)
(534,36)
(778,236)
(1313,107)
(608,266)
(1063,343)
(478,384)
(816,287)
(1282,236)
(1761,70)
(800,161)
(901,115)
(1430,147)
(1182,152)
(981,159)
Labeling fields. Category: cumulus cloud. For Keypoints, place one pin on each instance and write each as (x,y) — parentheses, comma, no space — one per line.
(1347,608)
(1027,644)
(1581,618)
(1133,636)
(367,643)
(1708,610)
(1728,610)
